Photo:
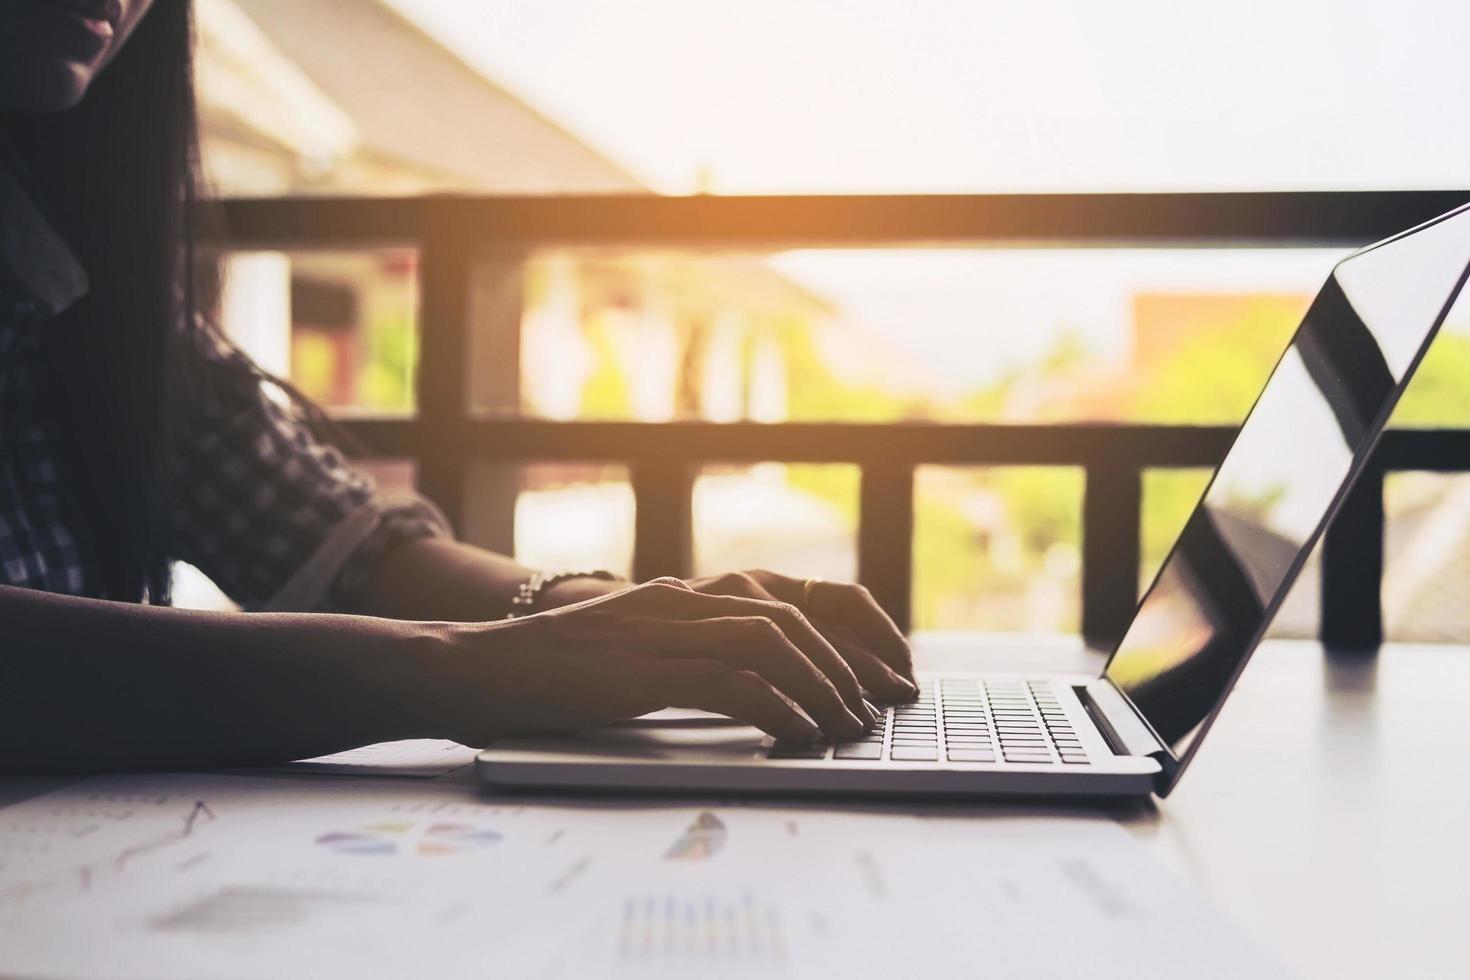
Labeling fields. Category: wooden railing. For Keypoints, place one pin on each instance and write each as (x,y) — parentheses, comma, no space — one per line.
(452,234)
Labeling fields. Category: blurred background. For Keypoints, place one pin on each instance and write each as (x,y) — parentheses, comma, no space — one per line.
(329,97)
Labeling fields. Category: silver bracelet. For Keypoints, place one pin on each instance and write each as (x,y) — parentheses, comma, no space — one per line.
(523,603)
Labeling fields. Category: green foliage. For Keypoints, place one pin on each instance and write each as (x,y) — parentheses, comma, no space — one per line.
(814,392)
(837,484)
(1168,498)
(1210,379)
(1440,391)
(389,356)
(1044,502)
(606,393)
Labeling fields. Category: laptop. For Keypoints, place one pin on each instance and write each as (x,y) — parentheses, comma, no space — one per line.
(1133,729)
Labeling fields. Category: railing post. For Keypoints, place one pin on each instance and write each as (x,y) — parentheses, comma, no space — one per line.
(1352,567)
(442,370)
(495,287)
(1111,501)
(886,538)
(663,529)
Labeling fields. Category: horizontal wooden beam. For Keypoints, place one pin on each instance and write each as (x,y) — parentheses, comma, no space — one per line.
(1307,218)
(1434,450)
(1077,444)
(912,443)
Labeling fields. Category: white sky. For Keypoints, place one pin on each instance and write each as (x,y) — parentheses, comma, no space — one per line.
(979,95)
(862,95)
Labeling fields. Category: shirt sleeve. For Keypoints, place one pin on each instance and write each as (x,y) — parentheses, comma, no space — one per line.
(278,519)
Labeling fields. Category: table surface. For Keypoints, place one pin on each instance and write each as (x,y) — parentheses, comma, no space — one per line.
(1326,815)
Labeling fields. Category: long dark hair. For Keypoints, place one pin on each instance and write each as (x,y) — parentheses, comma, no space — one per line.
(117,177)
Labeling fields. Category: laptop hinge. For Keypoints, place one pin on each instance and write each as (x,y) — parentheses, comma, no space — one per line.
(1118,721)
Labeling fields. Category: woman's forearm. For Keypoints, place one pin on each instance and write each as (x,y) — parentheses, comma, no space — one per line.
(448,580)
(88,685)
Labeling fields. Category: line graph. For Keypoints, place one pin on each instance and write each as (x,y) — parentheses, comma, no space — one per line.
(70,848)
(199,811)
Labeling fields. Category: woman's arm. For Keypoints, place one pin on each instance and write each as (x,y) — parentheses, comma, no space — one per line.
(87,684)
(435,578)
(93,685)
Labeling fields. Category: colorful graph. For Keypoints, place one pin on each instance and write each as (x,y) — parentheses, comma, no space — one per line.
(701,840)
(679,935)
(409,837)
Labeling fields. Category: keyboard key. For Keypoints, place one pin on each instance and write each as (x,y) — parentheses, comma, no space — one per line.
(913,753)
(970,755)
(858,750)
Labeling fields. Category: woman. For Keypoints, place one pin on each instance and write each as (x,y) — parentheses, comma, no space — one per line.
(130,436)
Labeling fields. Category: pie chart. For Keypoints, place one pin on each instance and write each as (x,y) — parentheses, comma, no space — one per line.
(426,840)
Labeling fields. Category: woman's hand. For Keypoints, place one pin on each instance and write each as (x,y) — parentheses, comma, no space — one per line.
(664,644)
(847,617)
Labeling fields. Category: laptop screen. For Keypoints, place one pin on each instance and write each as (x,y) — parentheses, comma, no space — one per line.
(1309,431)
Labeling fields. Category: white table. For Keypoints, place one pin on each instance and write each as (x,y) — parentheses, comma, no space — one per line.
(1328,814)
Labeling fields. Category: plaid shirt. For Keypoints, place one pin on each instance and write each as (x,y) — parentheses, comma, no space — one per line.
(277,519)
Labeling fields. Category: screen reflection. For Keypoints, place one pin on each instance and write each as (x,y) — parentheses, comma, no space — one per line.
(1321,408)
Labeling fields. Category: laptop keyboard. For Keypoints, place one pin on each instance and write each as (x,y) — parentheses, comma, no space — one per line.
(962,719)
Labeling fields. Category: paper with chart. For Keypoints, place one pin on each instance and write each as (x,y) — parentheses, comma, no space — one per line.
(215,876)
(201,876)
(423,758)
(761,893)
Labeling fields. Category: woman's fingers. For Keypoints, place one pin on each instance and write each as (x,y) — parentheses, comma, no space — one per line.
(854,606)
(698,605)
(758,645)
(836,597)
(708,685)
(879,679)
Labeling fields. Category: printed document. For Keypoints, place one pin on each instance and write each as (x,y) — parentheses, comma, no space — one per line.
(224,876)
